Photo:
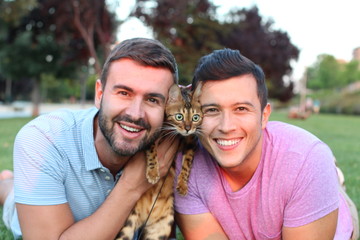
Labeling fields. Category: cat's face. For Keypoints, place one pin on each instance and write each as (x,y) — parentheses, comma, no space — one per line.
(184,115)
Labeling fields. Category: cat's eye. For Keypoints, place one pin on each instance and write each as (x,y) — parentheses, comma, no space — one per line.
(196,118)
(179,117)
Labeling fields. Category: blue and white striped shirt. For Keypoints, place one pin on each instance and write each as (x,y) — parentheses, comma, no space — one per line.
(55,162)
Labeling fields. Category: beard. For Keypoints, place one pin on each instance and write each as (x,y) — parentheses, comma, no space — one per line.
(125,148)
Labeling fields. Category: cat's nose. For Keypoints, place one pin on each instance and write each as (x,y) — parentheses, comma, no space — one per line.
(187,128)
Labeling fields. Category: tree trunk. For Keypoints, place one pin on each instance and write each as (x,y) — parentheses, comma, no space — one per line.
(83,79)
(87,33)
(8,96)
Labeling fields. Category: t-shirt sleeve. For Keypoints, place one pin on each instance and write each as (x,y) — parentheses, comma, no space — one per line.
(38,168)
(193,202)
(315,191)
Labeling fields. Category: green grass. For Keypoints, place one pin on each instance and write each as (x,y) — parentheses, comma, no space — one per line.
(340,132)
(8,131)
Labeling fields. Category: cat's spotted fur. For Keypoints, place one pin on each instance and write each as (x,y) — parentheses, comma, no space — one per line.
(183,116)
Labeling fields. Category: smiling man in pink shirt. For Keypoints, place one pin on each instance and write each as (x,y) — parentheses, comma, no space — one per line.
(251,178)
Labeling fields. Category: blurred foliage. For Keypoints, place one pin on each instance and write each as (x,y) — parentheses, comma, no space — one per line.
(329,73)
(52,41)
(12,11)
(28,56)
(63,43)
(336,84)
(338,102)
(191,29)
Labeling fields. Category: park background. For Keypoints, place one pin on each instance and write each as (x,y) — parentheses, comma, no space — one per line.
(51,53)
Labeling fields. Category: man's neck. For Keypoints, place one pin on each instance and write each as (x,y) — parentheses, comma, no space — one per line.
(240,175)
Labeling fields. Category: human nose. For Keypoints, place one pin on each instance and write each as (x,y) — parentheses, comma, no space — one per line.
(227,123)
(135,109)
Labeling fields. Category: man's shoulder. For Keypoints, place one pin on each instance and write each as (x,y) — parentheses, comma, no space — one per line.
(290,143)
(61,119)
(286,142)
(58,124)
(277,130)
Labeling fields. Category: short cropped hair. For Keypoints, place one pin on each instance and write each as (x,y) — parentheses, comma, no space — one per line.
(227,63)
(147,52)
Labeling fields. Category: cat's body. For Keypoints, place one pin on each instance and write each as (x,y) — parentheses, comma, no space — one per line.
(183,116)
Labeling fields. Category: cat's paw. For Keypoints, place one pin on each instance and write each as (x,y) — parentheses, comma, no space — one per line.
(182,189)
(153,176)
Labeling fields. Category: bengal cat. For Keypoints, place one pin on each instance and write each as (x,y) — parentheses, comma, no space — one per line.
(183,117)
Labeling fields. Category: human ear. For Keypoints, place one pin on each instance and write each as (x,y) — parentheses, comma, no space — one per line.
(265,115)
(98,93)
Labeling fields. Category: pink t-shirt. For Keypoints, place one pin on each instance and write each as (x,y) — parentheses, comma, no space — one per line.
(294,184)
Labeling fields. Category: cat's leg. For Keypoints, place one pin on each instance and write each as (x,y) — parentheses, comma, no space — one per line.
(131,224)
(152,169)
(183,178)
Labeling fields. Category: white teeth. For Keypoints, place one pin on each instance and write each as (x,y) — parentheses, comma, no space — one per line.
(130,129)
(227,142)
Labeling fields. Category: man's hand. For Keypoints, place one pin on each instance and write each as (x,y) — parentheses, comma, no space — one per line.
(133,176)
(166,149)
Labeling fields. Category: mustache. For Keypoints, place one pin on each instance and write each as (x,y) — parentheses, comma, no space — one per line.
(139,122)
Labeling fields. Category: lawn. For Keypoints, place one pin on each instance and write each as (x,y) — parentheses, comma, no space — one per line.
(340,132)
(8,130)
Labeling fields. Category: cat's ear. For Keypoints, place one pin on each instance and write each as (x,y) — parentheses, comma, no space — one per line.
(174,94)
(197,91)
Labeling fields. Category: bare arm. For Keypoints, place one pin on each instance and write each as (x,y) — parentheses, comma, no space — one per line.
(200,226)
(205,226)
(56,222)
(321,229)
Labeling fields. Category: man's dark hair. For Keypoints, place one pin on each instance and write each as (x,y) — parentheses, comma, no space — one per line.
(147,52)
(227,63)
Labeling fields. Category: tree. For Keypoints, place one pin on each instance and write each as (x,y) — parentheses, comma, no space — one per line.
(351,72)
(329,73)
(27,58)
(188,28)
(11,13)
(191,29)
(81,29)
(325,73)
(85,26)
(271,49)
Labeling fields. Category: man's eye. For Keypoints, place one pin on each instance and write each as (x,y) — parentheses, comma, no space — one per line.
(242,109)
(153,100)
(124,93)
(210,110)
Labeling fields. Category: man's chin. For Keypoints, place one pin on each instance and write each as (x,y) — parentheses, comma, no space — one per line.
(127,150)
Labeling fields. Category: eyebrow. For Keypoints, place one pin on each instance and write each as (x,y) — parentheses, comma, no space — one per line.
(154,95)
(237,103)
(117,86)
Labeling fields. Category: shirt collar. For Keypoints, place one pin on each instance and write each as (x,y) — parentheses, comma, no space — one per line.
(91,158)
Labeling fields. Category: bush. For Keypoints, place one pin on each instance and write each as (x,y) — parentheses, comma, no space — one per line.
(339,102)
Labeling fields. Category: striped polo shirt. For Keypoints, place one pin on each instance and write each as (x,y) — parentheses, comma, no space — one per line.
(55,162)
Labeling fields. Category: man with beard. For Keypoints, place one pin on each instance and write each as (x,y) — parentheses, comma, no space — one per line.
(78,174)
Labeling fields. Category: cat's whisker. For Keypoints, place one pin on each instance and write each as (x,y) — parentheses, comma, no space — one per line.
(171,135)
(199,132)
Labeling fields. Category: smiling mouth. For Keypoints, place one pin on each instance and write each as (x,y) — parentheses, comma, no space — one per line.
(223,142)
(130,129)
